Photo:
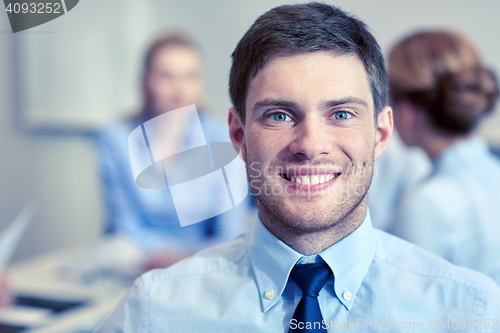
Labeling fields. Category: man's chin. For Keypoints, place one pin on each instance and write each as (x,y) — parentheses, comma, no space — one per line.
(308,219)
(304,226)
(309,215)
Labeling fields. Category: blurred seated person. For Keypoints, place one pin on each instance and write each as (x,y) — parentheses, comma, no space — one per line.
(440,91)
(171,80)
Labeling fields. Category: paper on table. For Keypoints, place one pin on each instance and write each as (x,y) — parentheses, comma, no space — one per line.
(24,315)
(10,236)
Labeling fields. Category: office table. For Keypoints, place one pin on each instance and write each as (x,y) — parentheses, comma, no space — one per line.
(45,276)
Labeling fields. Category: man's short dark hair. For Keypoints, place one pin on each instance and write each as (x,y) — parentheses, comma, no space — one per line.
(294,29)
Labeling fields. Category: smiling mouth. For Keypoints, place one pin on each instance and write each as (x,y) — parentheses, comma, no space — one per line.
(311,180)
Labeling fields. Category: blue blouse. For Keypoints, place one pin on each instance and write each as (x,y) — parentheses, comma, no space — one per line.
(455,213)
(148,216)
(398,170)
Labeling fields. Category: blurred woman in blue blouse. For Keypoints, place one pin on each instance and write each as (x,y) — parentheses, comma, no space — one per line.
(172,79)
(440,91)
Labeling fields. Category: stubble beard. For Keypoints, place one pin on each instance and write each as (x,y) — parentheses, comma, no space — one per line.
(350,202)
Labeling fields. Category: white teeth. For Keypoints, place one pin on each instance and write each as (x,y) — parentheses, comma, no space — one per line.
(313,180)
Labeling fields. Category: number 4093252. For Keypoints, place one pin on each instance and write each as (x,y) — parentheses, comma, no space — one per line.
(34,8)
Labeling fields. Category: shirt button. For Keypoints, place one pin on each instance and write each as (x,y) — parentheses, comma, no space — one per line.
(269,294)
(347,295)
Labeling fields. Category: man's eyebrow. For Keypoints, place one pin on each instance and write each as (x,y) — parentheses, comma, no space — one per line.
(273,102)
(347,100)
(289,104)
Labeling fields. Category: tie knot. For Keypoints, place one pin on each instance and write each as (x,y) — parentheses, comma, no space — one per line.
(311,277)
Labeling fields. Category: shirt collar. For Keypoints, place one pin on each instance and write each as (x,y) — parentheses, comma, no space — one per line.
(349,259)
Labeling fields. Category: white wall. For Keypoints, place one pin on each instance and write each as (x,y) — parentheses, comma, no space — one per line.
(83,67)
(56,171)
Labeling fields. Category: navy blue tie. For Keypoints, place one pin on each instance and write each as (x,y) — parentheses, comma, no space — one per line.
(307,316)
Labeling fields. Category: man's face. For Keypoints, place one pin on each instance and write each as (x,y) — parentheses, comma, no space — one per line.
(309,140)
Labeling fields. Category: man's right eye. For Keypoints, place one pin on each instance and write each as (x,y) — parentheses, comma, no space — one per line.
(280,116)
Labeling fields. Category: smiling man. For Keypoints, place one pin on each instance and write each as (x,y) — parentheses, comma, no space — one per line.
(309,90)
(309,140)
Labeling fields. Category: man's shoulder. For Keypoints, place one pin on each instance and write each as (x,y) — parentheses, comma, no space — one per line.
(215,260)
(196,286)
(407,258)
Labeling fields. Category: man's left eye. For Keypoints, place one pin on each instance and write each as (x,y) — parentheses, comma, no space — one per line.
(342,115)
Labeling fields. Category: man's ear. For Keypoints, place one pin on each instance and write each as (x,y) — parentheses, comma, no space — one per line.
(237,131)
(384,130)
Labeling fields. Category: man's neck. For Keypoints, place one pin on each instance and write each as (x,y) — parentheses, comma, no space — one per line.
(309,243)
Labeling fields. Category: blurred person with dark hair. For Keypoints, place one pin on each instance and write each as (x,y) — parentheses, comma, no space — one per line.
(172,79)
(440,92)
(309,88)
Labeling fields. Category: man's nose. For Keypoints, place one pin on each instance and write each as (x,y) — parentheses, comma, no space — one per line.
(312,139)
